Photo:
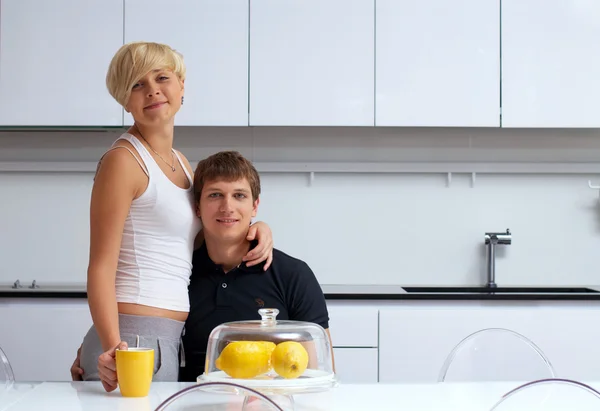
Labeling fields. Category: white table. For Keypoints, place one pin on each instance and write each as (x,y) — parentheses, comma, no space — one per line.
(90,396)
(13,395)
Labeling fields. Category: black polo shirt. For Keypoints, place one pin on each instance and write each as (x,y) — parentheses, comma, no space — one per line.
(215,298)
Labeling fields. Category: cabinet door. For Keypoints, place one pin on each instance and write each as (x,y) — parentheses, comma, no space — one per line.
(54,55)
(312,62)
(438,63)
(356,365)
(212,35)
(40,337)
(353,326)
(550,63)
(414,342)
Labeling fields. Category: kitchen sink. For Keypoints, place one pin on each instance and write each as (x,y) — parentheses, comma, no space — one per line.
(507,290)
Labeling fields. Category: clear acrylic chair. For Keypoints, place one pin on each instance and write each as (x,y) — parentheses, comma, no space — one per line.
(496,354)
(550,394)
(7,377)
(186,400)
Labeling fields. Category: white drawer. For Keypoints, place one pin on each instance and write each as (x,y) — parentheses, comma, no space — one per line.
(353,326)
(356,365)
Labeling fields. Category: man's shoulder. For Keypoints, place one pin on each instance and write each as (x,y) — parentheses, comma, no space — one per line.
(286,262)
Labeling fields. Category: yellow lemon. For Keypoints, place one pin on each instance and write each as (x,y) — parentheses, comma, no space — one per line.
(289,359)
(245,359)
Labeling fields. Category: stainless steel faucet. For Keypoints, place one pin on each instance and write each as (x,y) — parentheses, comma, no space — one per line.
(491,240)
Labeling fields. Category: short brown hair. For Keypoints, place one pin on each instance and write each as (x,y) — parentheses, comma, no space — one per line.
(227,166)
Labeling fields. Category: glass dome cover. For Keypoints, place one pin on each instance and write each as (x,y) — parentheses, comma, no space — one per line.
(269,355)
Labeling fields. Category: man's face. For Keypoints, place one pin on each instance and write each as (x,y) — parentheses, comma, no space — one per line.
(226,209)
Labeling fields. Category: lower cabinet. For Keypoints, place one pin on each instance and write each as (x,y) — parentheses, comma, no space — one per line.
(353,325)
(405,342)
(354,329)
(356,365)
(40,336)
(415,341)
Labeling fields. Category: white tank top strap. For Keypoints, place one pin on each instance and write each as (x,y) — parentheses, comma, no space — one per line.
(185,170)
(141,149)
(142,165)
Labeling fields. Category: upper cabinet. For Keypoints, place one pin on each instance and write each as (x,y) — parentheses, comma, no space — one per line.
(550,63)
(406,63)
(212,35)
(53,61)
(312,62)
(438,63)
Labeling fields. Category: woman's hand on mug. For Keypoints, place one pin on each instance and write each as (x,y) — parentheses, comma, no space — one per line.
(107,367)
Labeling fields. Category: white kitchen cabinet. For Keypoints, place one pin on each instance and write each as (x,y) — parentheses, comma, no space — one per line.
(415,341)
(550,63)
(53,60)
(438,63)
(312,62)
(353,324)
(41,336)
(354,329)
(212,35)
(356,365)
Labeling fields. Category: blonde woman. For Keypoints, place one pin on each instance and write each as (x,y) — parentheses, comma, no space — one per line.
(143,225)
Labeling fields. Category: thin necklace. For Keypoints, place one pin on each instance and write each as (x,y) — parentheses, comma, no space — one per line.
(155,152)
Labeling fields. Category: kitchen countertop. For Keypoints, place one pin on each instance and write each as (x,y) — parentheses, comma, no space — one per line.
(44,291)
(367,292)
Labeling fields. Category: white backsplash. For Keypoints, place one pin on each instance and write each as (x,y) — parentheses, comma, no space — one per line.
(360,228)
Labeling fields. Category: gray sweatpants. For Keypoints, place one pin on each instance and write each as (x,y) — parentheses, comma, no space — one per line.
(162,334)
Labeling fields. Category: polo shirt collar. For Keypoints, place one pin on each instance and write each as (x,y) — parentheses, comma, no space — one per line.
(203,265)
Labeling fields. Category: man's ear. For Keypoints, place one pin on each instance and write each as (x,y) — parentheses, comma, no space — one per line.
(255,207)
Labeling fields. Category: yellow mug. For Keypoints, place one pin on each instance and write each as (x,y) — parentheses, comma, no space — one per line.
(135,368)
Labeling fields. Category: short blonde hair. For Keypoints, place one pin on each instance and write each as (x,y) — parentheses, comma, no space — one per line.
(134,60)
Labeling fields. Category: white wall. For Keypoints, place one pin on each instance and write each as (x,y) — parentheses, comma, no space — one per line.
(360,228)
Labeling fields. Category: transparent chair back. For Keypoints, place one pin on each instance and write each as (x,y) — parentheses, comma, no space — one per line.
(552,394)
(496,354)
(7,377)
(221,396)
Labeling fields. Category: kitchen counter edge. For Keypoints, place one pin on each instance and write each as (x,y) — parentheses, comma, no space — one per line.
(357,296)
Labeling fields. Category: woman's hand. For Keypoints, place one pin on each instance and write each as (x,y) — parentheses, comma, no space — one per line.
(264,249)
(76,370)
(107,367)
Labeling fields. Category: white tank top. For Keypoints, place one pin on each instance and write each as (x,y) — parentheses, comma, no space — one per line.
(155,259)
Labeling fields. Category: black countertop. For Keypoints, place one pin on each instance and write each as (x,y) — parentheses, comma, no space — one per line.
(369,292)
(464,293)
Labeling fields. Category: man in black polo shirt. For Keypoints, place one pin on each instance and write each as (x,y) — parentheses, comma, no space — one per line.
(222,288)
